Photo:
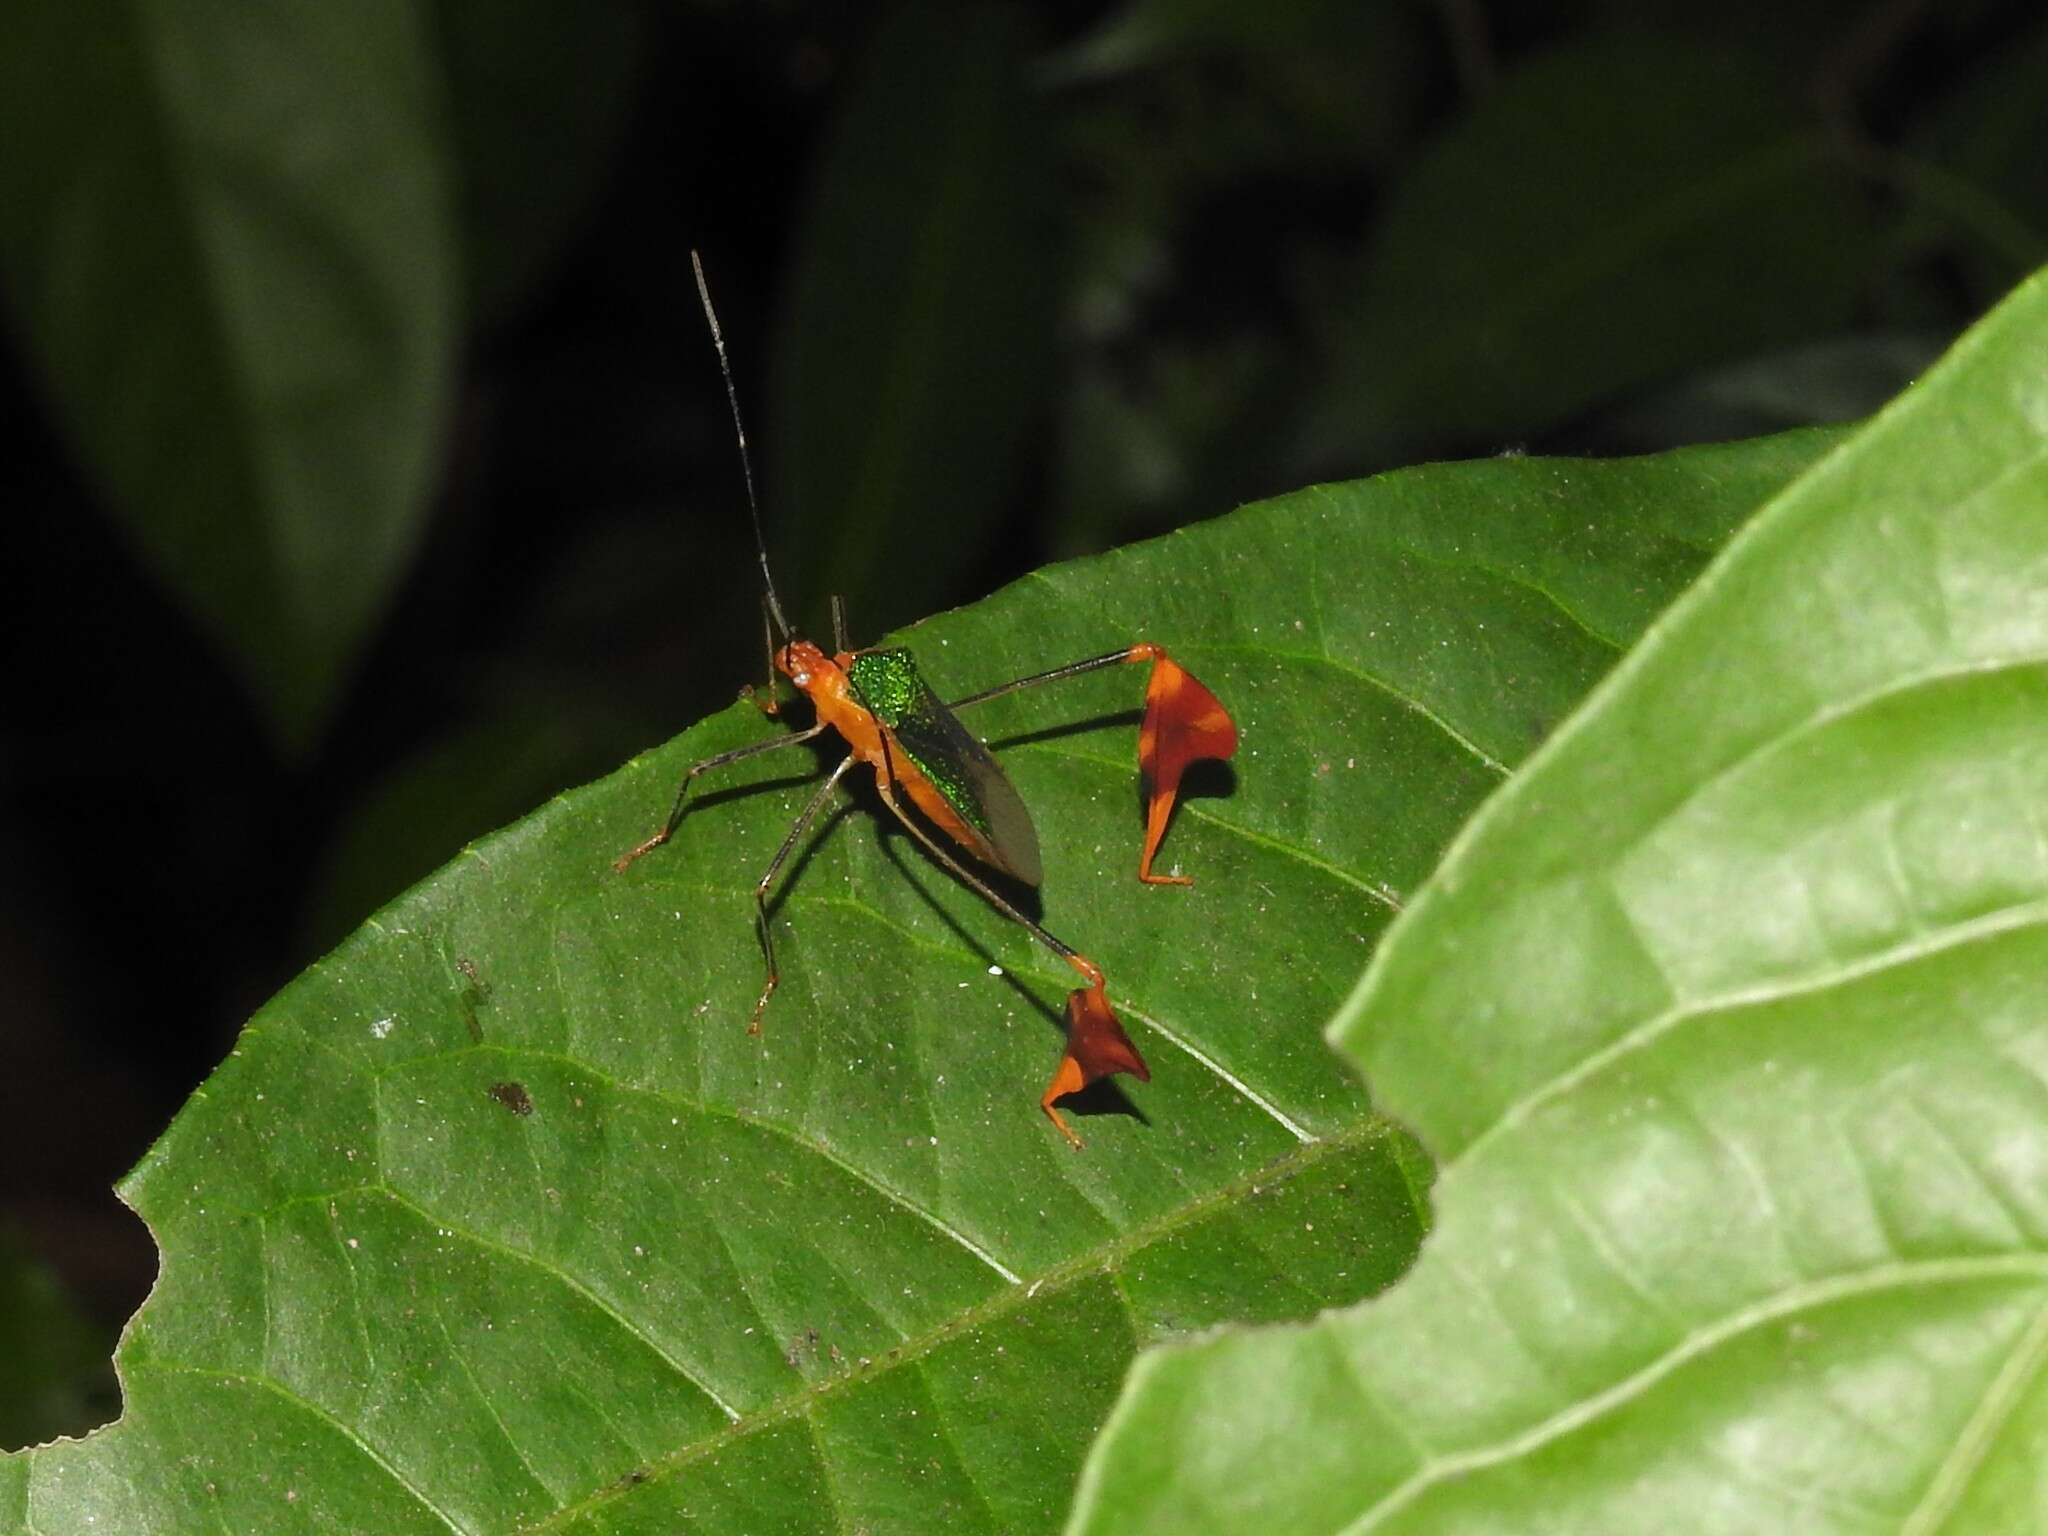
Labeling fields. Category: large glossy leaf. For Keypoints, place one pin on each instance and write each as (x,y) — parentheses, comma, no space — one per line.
(228,245)
(1726,1022)
(1615,214)
(498,1218)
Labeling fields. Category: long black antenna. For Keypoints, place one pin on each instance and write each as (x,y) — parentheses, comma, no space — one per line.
(746,464)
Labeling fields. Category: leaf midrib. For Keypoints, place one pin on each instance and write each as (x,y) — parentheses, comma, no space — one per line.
(1102,1261)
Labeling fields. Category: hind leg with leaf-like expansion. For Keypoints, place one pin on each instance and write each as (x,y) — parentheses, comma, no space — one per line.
(1183,721)
(1096,1043)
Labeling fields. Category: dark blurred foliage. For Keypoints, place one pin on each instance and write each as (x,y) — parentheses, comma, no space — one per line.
(1002,284)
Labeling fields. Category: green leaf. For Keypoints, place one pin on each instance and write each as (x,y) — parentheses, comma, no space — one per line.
(1144,34)
(917,341)
(499,1218)
(1972,171)
(1725,1022)
(1845,379)
(538,101)
(229,247)
(57,1381)
(1614,214)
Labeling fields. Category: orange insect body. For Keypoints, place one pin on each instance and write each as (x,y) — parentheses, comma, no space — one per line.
(824,680)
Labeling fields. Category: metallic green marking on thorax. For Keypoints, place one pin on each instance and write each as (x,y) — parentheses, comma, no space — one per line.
(895,693)
(888,683)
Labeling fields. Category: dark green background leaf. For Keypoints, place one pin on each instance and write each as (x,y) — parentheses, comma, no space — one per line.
(538,99)
(498,1216)
(917,343)
(1592,227)
(1726,1022)
(1975,168)
(57,1380)
(231,251)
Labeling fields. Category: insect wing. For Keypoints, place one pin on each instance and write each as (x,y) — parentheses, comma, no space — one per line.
(971,780)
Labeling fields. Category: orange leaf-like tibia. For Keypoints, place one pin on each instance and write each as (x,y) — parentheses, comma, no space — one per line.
(1097,1047)
(1183,721)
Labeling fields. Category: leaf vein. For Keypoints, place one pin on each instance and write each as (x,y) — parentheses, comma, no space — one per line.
(1951,1479)
(1098,1261)
(483,1399)
(1508,576)
(279,1389)
(1048,979)
(2013,919)
(572,1281)
(796,1138)
(1699,1343)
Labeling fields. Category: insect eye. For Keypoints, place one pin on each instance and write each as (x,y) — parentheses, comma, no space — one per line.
(801,679)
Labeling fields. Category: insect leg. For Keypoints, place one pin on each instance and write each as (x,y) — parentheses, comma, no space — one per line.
(1130,653)
(1183,721)
(763,698)
(675,815)
(803,821)
(1096,1042)
(1090,971)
